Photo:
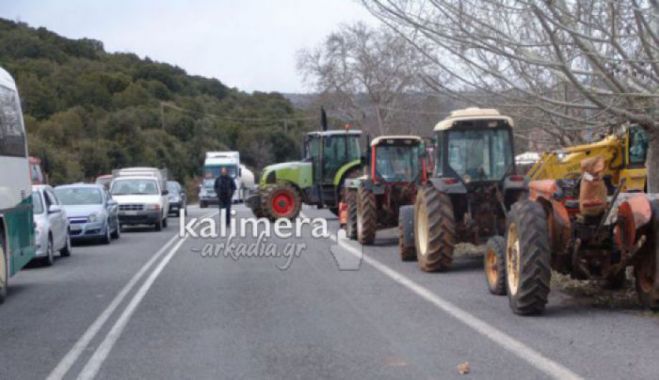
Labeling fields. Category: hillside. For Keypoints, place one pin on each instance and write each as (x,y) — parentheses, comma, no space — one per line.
(88,111)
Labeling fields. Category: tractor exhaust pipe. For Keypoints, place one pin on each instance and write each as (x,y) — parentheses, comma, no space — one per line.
(323,119)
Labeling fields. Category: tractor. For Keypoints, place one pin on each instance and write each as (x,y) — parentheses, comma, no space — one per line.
(396,167)
(330,156)
(573,227)
(472,187)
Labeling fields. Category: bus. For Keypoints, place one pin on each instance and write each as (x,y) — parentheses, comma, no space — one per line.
(17,245)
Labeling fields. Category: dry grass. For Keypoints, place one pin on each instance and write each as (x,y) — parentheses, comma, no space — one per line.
(593,293)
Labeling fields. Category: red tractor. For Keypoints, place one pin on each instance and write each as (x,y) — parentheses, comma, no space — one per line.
(573,227)
(395,168)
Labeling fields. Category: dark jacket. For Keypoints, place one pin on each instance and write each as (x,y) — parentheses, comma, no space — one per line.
(224,188)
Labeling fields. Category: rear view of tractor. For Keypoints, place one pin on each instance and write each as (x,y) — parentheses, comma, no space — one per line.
(472,187)
(396,167)
(573,227)
(330,156)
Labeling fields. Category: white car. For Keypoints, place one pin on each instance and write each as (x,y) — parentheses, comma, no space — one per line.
(142,201)
(51,225)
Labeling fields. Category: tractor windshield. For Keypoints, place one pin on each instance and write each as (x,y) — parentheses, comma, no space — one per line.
(480,154)
(397,163)
(338,150)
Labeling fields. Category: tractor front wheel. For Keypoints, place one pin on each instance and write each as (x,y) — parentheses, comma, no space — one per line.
(351,224)
(406,233)
(645,268)
(528,258)
(367,217)
(281,201)
(495,265)
(434,230)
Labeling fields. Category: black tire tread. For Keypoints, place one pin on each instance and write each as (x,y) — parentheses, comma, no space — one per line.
(441,230)
(367,210)
(535,258)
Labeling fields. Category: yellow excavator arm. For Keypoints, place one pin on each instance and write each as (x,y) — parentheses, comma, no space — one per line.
(565,163)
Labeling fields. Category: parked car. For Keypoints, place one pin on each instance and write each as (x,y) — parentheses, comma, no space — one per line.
(178,199)
(105,180)
(51,225)
(142,200)
(92,212)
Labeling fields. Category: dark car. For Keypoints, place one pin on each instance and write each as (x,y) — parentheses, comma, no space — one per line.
(178,200)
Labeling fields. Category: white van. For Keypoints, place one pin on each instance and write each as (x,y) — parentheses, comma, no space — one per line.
(142,196)
(17,244)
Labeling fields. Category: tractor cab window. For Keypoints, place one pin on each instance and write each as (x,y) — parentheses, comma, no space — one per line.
(398,163)
(638,146)
(480,154)
(338,150)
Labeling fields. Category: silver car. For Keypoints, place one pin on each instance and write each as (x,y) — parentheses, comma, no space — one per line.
(51,225)
(93,214)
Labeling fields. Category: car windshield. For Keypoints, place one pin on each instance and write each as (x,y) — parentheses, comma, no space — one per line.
(214,171)
(480,154)
(173,187)
(397,163)
(134,187)
(37,204)
(79,196)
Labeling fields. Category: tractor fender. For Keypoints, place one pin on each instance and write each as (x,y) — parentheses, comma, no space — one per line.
(545,188)
(558,224)
(340,174)
(448,187)
(633,214)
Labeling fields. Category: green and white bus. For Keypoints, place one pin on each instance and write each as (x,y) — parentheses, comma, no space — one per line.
(16,223)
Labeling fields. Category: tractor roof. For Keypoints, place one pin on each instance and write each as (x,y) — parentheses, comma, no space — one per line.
(379,139)
(335,132)
(472,113)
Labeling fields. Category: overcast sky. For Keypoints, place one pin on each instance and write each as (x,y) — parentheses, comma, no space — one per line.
(248,44)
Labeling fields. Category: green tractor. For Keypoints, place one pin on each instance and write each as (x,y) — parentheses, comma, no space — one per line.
(397,167)
(329,158)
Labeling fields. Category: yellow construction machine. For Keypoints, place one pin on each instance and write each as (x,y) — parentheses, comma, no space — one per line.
(624,153)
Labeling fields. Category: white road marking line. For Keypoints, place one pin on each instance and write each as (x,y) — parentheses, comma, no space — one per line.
(514,346)
(81,344)
(101,353)
(94,364)
(70,358)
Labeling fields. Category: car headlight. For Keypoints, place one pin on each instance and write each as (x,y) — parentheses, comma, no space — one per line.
(93,217)
(152,207)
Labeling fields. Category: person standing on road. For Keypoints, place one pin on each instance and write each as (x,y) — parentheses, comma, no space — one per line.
(224,189)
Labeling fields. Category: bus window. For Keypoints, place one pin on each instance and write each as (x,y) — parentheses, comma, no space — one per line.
(12,137)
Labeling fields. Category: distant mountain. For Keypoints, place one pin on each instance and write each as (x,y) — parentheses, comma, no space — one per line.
(89,111)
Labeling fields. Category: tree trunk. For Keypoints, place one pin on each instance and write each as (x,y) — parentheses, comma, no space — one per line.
(652,162)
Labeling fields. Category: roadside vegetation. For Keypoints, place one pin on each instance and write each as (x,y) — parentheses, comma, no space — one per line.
(88,111)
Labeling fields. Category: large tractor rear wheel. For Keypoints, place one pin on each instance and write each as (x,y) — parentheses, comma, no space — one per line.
(528,258)
(367,216)
(645,268)
(281,201)
(495,265)
(434,229)
(406,233)
(351,224)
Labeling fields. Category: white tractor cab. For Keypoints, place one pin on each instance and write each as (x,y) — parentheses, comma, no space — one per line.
(141,193)
(213,165)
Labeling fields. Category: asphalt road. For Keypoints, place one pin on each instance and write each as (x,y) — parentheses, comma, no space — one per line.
(154,305)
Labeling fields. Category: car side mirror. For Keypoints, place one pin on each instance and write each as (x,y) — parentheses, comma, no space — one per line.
(112,202)
(53,209)
(165,192)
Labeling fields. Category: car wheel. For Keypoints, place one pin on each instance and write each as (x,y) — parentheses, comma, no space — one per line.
(50,256)
(66,251)
(107,239)
(117,231)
